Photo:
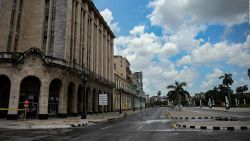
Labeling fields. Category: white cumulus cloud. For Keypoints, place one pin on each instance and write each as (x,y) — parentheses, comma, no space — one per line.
(108,17)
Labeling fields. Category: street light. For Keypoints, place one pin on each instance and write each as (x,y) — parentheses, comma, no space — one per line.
(120,111)
(84,78)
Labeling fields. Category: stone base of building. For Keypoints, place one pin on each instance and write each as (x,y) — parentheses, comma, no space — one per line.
(42,116)
(62,115)
(12,117)
(74,114)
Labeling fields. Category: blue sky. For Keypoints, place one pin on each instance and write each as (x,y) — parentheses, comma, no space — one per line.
(194,41)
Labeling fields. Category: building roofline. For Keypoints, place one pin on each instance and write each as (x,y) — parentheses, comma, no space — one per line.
(100,16)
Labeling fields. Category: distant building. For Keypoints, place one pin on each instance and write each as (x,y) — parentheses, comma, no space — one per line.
(128,86)
(199,95)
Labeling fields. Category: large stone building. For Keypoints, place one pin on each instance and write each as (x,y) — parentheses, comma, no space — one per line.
(58,54)
(128,93)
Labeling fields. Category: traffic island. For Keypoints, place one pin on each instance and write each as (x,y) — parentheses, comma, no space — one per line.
(216,125)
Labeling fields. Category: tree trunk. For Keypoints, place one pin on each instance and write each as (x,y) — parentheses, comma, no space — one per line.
(229,97)
(179,100)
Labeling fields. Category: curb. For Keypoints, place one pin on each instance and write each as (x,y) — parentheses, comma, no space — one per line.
(231,128)
(216,118)
(79,125)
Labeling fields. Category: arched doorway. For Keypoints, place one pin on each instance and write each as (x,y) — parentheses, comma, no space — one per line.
(53,100)
(4,94)
(80,99)
(70,98)
(30,90)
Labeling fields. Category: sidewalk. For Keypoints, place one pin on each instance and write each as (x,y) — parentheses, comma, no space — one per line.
(69,122)
(227,110)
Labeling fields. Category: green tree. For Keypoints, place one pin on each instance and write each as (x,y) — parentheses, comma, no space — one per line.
(227,81)
(240,90)
(177,92)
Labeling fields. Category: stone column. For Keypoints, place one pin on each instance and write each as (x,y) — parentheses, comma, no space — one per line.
(14,99)
(43,100)
(75,101)
(92,41)
(62,107)
(85,35)
(78,31)
(90,100)
(96,102)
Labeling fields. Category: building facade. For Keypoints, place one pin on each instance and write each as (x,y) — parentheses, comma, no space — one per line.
(57,54)
(128,93)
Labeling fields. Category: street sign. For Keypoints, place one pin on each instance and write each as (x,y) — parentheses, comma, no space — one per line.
(26,103)
(103,99)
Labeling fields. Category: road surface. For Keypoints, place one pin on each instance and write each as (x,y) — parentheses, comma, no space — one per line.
(148,125)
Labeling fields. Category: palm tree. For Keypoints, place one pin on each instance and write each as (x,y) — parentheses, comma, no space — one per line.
(244,88)
(177,91)
(227,81)
(240,90)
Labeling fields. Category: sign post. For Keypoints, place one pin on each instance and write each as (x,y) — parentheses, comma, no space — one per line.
(103,100)
(26,104)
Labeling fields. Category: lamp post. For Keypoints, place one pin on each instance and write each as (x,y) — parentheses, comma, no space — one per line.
(84,78)
(120,111)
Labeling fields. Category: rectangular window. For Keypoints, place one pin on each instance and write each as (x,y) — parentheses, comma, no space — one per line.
(52,28)
(18,25)
(45,24)
(14,7)
(72,31)
(89,42)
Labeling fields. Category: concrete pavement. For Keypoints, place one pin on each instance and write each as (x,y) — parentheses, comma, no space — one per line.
(202,118)
(232,109)
(69,122)
(148,125)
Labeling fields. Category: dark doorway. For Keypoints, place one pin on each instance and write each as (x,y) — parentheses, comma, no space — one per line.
(70,98)
(88,100)
(94,100)
(54,91)
(4,94)
(80,99)
(30,90)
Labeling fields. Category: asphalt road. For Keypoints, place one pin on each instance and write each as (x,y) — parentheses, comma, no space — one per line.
(148,125)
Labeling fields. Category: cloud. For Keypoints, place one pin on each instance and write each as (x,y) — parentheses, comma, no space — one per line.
(184,60)
(198,12)
(108,17)
(234,54)
(138,30)
(142,49)
(212,79)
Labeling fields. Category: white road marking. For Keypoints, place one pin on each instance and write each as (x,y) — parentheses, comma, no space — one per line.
(139,127)
(105,127)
